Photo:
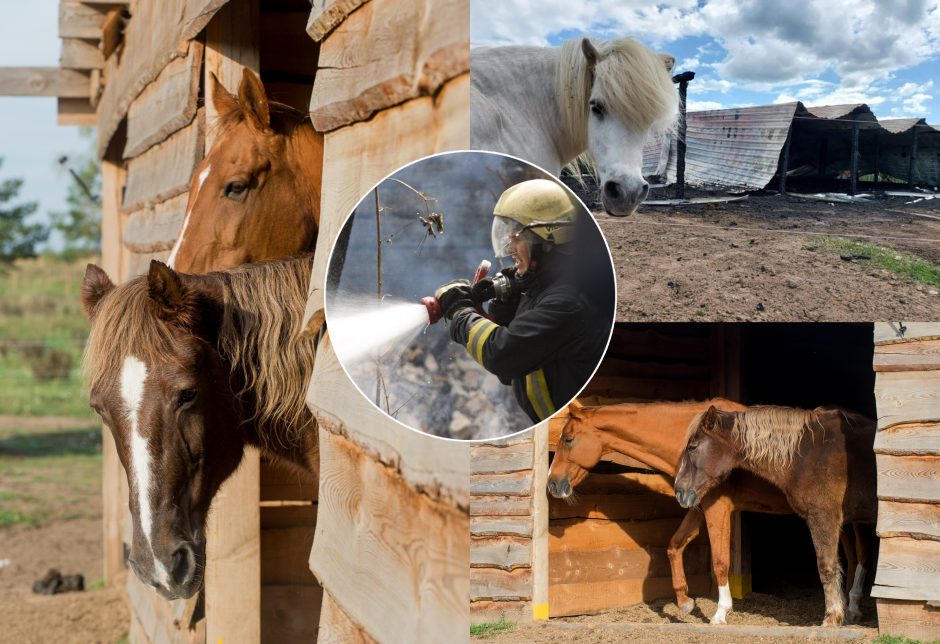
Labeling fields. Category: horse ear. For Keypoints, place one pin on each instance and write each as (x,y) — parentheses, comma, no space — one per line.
(172,301)
(669,61)
(223,101)
(95,286)
(710,419)
(590,51)
(254,101)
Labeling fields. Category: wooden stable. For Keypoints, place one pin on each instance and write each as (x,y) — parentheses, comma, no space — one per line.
(907,448)
(387,82)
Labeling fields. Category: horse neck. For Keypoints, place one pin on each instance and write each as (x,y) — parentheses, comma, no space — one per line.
(652,434)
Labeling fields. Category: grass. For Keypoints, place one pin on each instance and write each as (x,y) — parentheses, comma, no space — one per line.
(491,629)
(898,262)
(898,639)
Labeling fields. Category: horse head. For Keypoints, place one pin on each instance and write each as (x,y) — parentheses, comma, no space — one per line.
(256,195)
(630,97)
(708,458)
(162,388)
(579,448)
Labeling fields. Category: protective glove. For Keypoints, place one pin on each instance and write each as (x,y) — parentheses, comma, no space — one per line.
(453,296)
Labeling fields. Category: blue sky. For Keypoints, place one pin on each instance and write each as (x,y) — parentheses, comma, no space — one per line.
(30,140)
(885,53)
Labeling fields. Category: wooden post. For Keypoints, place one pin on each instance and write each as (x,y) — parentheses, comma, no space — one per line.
(683,80)
(853,186)
(233,552)
(877,155)
(785,162)
(540,522)
(913,168)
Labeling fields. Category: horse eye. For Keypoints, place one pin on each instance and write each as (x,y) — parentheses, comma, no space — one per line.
(184,397)
(235,190)
(691,447)
(568,440)
(597,108)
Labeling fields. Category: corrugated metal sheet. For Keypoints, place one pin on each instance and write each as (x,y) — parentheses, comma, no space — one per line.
(897,126)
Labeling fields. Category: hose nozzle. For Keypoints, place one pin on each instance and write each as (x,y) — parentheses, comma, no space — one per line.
(434,308)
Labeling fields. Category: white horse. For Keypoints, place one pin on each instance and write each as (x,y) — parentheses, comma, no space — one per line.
(548,105)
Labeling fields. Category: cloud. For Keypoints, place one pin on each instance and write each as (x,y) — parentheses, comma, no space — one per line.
(698,106)
(703,85)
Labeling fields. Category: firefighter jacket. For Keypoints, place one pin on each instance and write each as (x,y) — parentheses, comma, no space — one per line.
(546,348)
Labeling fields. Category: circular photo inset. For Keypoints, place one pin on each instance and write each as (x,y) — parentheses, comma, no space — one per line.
(470,295)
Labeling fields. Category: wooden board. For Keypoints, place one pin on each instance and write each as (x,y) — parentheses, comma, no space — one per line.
(589,598)
(290,613)
(623,563)
(284,555)
(231,45)
(359,156)
(540,559)
(75,111)
(906,397)
(512,484)
(616,507)
(485,611)
(165,105)
(336,626)
(888,332)
(500,459)
(495,584)
(909,439)
(43,81)
(158,33)
(77,20)
(164,171)
(80,54)
(154,229)
(388,52)
(579,535)
(908,478)
(498,505)
(154,619)
(494,526)
(921,355)
(913,619)
(916,520)
(326,14)
(139,263)
(281,483)
(504,552)
(392,558)
(627,483)
(909,564)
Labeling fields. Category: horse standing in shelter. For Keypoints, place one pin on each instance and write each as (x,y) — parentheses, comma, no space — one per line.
(654,433)
(822,460)
(549,105)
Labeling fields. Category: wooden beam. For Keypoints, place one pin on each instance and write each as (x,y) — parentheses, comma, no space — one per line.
(78,20)
(80,54)
(540,563)
(915,520)
(43,81)
(155,228)
(909,564)
(75,111)
(913,162)
(907,397)
(326,14)
(853,185)
(913,619)
(896,332)
(908,478)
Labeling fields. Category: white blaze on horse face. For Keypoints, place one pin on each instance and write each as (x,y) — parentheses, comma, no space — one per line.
(618,156)
(133,380)
(724,604)
(179,240)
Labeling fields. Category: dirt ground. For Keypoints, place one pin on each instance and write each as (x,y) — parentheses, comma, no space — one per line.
(771,258)
(791,609)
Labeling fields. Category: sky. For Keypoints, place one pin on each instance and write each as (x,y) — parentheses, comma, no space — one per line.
(885,53)
(30,140)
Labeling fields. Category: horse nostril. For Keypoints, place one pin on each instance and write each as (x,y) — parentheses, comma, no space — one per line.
(644,191)
(184,565)
(613,190)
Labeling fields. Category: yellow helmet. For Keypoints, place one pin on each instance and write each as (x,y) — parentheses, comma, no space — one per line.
(542,206)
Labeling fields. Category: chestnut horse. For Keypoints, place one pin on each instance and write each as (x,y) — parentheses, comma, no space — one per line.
(823,461)
(654,434)
(256,195)
(186,370)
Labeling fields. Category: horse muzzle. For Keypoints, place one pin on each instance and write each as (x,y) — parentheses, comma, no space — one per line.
(621,198)
(687,498)
(560,488)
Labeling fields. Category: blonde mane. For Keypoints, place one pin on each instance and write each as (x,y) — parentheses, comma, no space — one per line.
(771,435)
(261,336)
(634,81)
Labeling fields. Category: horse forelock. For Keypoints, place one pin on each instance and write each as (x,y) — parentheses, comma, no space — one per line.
(770,434)
(284,119)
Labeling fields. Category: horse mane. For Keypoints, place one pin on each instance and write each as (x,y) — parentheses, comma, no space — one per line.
(634,80)
(284,119)
(771,434)
(263,307)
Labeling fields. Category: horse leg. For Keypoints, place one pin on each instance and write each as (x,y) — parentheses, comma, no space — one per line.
(847,538)
(688,530)
(825,530)
(718,519)
(857,585)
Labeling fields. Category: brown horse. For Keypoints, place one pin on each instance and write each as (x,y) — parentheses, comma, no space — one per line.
(822,460)
(654,434)
(186,370)
(256,195)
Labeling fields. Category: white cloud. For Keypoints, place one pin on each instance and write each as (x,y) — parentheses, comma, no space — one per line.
(698,106)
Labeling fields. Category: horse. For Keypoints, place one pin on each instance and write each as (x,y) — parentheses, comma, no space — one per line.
(549,105)
(186,370)
(654,434)
(823,461)
(256,195)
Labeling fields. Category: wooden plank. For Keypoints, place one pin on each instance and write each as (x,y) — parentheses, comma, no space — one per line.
(493,526)
(501,552)
(498,506)
(112,31)
(139,263)
(280,483)
(43,81)
(361,155)
(326,14)
(493,459)
(913,619)
(78,20)
(915,520)
(909,439)
(290,613)
(889,332)
(627,483)
(922,355)
(623,563)
(233,557)
(164,171)
(288,516)
(336,625)
(512,484)
(580,535)
(909,564)
(540,560)
(231,45)
(75,111)
(166,105)
(284,553)
(154,228)
(907,397)
(908,478)
(158,33)
(485,611)
(388,52)
(635,507)
(393,558)
(589,598)
(80,54)
(492,583)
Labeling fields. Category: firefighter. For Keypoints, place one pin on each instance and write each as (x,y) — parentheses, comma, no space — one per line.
(540,335)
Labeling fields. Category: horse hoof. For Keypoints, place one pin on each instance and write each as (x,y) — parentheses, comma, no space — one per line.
(853,616)
(686,607)
(719,618)
(832,620)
